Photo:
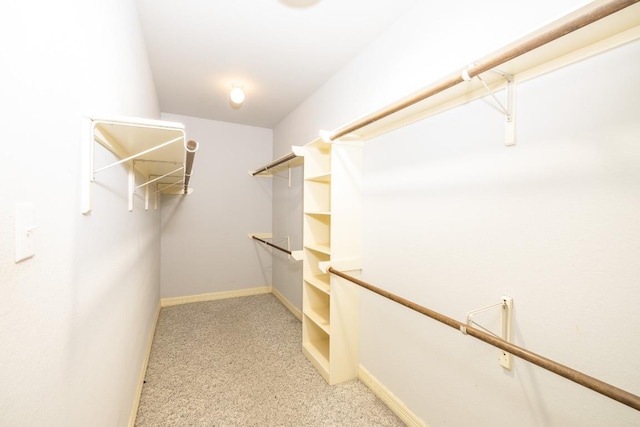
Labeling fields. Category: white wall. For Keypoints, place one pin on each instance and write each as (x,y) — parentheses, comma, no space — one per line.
(428,42)
(454,220)
(75,318)
(445,211)
(287,222)
(205,248)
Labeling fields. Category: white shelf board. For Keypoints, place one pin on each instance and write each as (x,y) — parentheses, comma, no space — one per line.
(319,316)
(319,282)
(156,148)
(320,213)
(323,177)
(298,160)
(126,137)
(323,248)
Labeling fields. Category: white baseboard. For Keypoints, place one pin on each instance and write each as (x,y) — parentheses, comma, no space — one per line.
(384,394)
(166,302)
(143,371)
(292,308)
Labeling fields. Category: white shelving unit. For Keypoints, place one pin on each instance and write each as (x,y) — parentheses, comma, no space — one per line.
(156,149)
(331,230)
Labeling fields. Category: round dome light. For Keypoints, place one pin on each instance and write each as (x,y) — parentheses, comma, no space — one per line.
(236,95)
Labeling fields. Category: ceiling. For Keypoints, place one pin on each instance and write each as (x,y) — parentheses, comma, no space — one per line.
(280,51)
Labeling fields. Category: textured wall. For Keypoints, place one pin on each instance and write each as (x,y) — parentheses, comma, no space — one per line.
(454,219)
(205,248)
(75,319)
(463,220)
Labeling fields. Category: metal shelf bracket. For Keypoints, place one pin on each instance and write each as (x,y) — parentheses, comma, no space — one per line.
(506,307)
(507,110)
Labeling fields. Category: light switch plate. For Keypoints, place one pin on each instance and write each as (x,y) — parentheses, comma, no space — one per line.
(24,226)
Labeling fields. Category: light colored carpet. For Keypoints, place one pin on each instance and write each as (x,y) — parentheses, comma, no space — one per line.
(238,362)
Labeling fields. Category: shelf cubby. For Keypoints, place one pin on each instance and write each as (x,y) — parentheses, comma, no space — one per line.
(321,282)
(317,196)
(316,346)
(316,305)
(318,228)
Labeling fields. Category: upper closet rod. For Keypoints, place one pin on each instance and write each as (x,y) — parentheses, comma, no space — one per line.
(275,163)
(580,18)
(191,148)
(585,380)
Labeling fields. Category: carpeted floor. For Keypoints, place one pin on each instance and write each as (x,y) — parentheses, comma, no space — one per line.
(238,362)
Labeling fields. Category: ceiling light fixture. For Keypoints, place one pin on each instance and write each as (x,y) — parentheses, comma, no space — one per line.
(237,94)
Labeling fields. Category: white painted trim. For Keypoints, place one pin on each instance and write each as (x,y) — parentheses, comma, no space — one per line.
(143,371)
(292,308)
(389,399)
(166,302)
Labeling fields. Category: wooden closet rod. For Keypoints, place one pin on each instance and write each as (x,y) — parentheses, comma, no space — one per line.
(192,147)
(272,245)
(275,163)
(594,384)
(580,18)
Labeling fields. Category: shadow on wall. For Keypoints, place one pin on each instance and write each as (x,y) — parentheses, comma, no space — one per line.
(170,209)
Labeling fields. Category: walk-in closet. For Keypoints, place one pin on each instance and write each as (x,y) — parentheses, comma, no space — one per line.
(320,213)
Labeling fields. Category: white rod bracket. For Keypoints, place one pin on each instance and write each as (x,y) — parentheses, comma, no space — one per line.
(86,147)
(507,110)
(142,153)
(506,330)
(506,307)
(296,255)
(156,196)
(351,264)
(169,174)
(146,198)
(132,185)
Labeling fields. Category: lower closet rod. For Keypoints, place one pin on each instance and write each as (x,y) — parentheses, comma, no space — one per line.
(585,380)
(272,245)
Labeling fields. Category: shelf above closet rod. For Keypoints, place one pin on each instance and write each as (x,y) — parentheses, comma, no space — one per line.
(578,377)
(571,38)
(153,148)
(293,159)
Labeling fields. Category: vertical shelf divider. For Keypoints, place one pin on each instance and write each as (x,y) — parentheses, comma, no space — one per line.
(331,232)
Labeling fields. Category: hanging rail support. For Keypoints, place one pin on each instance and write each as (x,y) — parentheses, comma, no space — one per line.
(506,310)
(578,377)
(275,163)
(168,185)
(134,156)
(508,109)
(296,151)
(579,19)
(159,178)
(132,185)
(297,255)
